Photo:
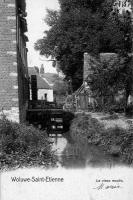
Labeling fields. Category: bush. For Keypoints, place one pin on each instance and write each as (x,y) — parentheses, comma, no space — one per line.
(22,145)
(115,141)
(85,127)
(129,110)
(67,118)
(119,142)
(113,116)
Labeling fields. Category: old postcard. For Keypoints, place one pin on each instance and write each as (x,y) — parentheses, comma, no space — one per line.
(66,99)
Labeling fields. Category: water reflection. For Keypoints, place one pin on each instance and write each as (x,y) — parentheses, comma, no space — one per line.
(59,144)
(70,155)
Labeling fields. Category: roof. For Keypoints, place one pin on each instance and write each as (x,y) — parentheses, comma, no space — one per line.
(41,83)
(32,71)
(82,89)
(51,78)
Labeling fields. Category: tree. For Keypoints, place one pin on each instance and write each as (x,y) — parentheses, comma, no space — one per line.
(108,79)
(52,17)
(60,87)
(81,26)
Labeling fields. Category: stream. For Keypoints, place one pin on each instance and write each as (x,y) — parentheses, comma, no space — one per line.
(71,156)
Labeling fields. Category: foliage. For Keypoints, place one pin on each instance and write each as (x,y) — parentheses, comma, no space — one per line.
(22,145)
(52,17)
(82,26)
(115,141)
(83,127)
(60,87)
(69,102)
(111,78)
(67,119)
(129,110)
(107,80)
(113,116)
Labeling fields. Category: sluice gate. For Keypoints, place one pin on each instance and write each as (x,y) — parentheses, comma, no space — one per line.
(45,116)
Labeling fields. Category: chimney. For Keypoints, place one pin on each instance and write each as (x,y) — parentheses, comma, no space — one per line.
(86,67)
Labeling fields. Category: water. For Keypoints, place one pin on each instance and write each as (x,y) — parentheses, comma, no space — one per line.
(59,145)
(70,155)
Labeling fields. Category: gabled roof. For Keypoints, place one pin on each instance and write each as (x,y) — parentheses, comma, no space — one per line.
(41,83)
(32,71)
(83,89)
(51,77)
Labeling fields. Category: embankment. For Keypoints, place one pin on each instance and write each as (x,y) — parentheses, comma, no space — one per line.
(115,141)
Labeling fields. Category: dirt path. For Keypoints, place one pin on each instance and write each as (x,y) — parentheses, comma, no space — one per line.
(120,120)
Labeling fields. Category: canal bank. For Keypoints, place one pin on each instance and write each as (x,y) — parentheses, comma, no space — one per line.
(71,155)
(90,143)
(87,143)
(115,140)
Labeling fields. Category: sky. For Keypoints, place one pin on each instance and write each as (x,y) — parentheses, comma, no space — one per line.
(36,12)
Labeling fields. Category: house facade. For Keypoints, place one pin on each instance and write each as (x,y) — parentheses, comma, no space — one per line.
(14,91)
(56,82)
(44,90)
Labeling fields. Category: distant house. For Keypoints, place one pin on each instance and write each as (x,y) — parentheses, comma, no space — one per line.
(44,90)
(58,85)
(83,97)
(50,78)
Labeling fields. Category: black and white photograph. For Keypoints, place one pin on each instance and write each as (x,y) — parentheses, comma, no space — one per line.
(66,99)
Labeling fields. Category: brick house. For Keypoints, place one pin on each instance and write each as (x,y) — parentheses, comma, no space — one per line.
(13,60)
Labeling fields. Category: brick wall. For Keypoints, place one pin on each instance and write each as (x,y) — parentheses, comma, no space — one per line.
(89,61)
(10,64)
(8,57)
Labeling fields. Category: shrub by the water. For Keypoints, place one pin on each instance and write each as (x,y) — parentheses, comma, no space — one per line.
(113,116)
(22,145)
(67,118)
(129,110)
(115,141)
(84,127)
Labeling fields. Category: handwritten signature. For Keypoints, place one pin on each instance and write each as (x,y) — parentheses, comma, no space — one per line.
(102,186)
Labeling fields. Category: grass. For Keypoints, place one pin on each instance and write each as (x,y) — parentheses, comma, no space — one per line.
(22,145)
(115,141)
